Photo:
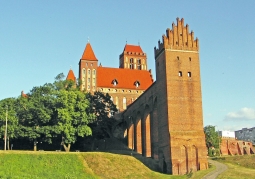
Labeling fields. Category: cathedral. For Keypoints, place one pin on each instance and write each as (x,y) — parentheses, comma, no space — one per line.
(124,84)
(163,118)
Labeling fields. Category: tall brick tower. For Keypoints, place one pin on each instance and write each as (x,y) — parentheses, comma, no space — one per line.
(180,122)
(88,69)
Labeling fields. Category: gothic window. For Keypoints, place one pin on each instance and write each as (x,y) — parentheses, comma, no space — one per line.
(139,61)
(84,71)
(189,74)
(124,103)
(131,63)
(180,73)
(89,71)
(88,80)
(94,80)
(94,72)
(117,101)
(139,64)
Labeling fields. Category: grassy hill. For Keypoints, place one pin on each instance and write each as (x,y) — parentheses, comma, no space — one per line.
(40,165)
(238,166)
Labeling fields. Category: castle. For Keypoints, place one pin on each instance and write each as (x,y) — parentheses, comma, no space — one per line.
(163,119)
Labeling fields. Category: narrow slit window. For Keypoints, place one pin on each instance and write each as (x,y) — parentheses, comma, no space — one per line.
(189,58)
(189,74)
(178,58)
(180,73)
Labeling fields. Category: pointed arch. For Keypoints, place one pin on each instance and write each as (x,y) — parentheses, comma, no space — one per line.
(194,158)
(154,131)
(183,161)
(147,132)
(138,134)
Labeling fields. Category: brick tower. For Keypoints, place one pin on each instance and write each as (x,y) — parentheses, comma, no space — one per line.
(181,140)
(133,57)
(88,69)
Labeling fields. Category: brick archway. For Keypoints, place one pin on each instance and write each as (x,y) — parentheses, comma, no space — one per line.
(154,131)
(194,156)
(131,136)
(147,132)
(183,161)
(138,134)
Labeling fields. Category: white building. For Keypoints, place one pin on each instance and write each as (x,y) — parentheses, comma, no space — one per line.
(227,134)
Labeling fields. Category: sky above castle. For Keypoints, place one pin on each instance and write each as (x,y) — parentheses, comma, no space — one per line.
(39,40)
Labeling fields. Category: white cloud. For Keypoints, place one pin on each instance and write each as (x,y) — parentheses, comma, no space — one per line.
(243,114)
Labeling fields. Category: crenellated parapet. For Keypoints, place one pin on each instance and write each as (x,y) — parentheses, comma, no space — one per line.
(178,38)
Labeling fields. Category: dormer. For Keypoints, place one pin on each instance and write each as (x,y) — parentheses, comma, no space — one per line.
(114,82)
(137,83)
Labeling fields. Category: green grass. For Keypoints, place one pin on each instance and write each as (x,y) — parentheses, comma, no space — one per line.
(239,167)
(40,165)
(201,173)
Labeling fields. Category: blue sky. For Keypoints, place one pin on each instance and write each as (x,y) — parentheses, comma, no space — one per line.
(40,39)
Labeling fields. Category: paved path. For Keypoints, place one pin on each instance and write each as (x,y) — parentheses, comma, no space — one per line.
(220,167)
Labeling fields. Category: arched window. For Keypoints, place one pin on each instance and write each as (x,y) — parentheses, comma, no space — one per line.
(124,103)
(88,71)
(131,63)
(180,73)
(94,72)
(84,71)
(189,74)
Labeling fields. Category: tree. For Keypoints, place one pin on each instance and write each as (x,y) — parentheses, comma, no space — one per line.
(8,104)
(103,108)
(58,110)
(72,116)
(212,138)
(35,113)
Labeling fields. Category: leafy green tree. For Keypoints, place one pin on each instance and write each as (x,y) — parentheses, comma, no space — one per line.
(58,110)
(35,113)
(212,138)
(8,105)
(104,108)
(72,116)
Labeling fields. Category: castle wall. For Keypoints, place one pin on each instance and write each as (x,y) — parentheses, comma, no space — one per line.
(174,106)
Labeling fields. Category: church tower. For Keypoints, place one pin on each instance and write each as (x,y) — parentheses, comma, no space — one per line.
(133,57)
(180,119)
(88,69)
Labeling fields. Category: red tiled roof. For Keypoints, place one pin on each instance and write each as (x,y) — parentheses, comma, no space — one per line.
(133,48)
(88,53)
(125,78)
(70,75)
